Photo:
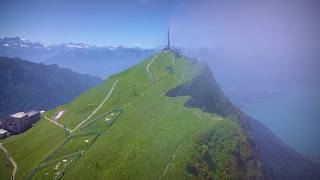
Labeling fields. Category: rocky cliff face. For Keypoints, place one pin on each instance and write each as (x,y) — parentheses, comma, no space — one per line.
(278,160)
(206,94)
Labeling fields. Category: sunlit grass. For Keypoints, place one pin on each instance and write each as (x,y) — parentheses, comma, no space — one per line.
(153,138)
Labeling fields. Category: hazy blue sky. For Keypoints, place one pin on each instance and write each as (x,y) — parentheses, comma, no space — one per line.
(125,22)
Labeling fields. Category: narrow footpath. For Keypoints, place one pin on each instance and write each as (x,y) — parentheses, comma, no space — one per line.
(14,164)
(148,68)
(56,123)
(101,104)
(86,119)
(173,157)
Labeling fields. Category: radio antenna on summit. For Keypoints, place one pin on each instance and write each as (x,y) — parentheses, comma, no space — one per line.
(168,45)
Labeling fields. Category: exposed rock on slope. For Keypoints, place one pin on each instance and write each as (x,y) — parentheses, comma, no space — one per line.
(278,160)
(206,94)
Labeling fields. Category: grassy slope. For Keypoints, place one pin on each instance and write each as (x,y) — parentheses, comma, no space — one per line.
(29,148)
(155,137)
(5,167)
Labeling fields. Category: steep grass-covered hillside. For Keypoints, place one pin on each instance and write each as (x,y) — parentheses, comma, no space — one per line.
(147,122)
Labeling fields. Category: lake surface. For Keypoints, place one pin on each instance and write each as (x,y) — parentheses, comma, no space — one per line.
(293,116)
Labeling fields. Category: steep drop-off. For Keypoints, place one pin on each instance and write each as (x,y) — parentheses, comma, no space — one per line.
(278,160)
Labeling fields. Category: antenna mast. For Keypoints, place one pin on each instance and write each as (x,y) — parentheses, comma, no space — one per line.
(168,39)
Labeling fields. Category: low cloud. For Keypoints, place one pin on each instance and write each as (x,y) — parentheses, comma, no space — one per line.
(277,41)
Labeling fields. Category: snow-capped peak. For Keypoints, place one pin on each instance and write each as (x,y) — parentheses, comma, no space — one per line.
(22,43)
(17,42)
(112,47)
(78,45)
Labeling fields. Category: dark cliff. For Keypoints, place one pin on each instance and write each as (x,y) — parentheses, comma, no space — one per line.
(278,160)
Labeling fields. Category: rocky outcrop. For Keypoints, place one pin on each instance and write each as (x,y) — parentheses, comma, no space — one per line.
(278,160)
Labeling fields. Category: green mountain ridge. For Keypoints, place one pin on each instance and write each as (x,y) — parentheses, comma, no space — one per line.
(165,118)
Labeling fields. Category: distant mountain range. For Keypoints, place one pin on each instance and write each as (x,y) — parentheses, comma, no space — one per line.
(83,58)
(26,85)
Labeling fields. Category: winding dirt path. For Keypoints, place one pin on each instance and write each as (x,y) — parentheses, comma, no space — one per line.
(173,157)
(86,119)
(56,123)
(148,67)
(101,104)
(14,164)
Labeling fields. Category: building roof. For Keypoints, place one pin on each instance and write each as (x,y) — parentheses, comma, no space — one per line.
(31,113)
(23,114)
(18,115)
(3,131)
